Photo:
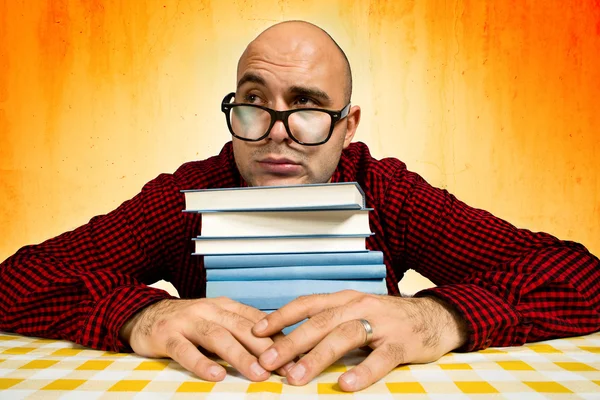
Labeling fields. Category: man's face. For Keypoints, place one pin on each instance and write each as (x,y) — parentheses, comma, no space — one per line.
(286,72)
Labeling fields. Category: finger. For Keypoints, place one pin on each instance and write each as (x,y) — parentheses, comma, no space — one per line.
(378,364)
(283,370)
(189,357)
(345,337)
(303,338)
(239,318)
(253,314)
(220,341)
(301,308)
(241,328)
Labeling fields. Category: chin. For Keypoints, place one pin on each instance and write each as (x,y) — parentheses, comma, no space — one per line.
(278,181)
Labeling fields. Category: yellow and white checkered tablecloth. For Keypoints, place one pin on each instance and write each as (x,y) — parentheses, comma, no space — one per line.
(32,368)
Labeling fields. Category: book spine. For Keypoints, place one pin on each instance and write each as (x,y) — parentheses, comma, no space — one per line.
(320,272)
(275,294)
(291,260)
(279,244)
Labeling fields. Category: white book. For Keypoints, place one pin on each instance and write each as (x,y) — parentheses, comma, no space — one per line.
(285,223)
(279,244)
(342,195)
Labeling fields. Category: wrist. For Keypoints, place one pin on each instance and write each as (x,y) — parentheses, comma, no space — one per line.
(127,330)
(452,327)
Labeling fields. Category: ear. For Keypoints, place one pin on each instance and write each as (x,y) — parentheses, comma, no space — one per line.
(353,119)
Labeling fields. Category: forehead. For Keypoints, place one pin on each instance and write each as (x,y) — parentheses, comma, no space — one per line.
(293,62)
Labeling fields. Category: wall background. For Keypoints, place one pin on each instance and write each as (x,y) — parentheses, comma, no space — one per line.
(497,101)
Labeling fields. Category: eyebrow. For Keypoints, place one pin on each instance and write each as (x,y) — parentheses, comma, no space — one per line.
(297,90)
(251,77)
(311,92)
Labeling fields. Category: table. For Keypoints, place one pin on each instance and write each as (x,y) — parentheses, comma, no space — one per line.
(33,368)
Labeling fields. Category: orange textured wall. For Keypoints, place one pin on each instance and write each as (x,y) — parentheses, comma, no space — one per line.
(496,101)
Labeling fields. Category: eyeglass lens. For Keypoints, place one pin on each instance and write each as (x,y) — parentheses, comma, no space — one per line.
(307,126)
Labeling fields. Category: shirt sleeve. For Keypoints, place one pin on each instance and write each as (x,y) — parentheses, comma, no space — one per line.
(510,285)
(85,284)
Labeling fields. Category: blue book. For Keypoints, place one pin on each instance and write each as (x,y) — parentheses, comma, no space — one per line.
(368,271)
(275,294)
(279,244)
(294,259)
(341,195)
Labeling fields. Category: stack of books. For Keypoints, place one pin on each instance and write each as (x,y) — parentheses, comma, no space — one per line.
(265,246)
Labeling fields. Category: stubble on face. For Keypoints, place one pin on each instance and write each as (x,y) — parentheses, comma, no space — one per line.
(315,170)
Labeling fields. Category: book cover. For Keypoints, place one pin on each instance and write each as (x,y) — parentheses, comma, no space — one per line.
(275,294)
(297,259)
(341,194)
(279,244)
(376,271)
(281,223)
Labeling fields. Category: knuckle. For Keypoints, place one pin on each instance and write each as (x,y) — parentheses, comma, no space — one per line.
(161,326)
(326,355)
(206,329)
(221,299)
(352,330)
(304,301)
(232,350)
(323,319)
(240,323)
(285,343)
(368,302)
(173,347)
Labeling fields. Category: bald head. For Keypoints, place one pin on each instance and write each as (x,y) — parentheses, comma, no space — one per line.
(300,41)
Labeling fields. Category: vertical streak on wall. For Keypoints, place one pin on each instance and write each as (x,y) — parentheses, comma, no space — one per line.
(56,56)
(4,76)
(391,25)
(94,16)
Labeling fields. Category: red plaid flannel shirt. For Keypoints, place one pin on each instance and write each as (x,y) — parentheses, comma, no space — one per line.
(509,284)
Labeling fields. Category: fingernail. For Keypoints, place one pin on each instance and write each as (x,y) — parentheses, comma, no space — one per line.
(297,372)
(257,369)
(349,379)
(269,356)
(214,371)
(261,326)
(288,366)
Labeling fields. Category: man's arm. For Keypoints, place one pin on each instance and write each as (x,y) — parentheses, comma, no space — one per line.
(83,285)
(510,285)
(498,286)
(89,286)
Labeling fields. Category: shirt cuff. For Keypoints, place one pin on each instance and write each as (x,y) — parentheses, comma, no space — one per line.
(101,330)
(490,320)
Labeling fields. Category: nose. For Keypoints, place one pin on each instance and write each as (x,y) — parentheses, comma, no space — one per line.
(278,133)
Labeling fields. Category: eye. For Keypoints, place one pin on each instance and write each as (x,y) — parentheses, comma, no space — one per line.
(251,98)
(305,101)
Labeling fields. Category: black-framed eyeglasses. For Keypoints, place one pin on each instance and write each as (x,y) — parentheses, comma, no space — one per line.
(307,126)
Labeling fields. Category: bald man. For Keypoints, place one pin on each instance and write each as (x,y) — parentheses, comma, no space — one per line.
(292,123)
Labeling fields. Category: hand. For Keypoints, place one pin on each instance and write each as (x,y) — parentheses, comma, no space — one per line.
(174,328)
(405,330)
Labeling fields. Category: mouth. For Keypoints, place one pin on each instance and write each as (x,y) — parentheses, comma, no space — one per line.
(279,165)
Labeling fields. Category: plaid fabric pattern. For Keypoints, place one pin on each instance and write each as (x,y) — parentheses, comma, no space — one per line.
(511,285)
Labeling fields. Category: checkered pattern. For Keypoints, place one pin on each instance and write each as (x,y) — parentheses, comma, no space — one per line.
(41,368)
(510,285)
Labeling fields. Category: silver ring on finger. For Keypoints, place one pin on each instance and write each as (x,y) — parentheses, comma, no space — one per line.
(368,331)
